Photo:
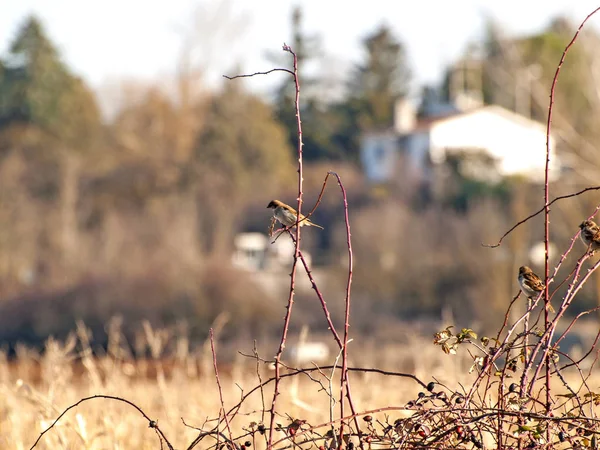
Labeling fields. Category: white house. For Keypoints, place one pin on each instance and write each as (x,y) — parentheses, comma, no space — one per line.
(256,252)
(517,143)
(250,251)
(268,262)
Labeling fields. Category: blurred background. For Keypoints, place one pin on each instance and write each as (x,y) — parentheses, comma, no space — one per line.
(134,178)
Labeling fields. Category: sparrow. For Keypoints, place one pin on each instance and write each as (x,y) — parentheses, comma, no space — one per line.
(590,234)
(288,215)
(531,285)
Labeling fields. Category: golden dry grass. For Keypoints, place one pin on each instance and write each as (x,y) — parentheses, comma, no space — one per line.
(35,389)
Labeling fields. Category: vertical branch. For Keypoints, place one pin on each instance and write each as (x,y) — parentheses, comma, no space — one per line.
(344,381)
(313,283)
(69,198)
(526,346)
(546,197)
(290,302)
(547,227)
(572,290)
(214,355)
(564,303)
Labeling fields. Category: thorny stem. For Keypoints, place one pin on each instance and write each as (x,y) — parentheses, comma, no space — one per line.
(290,302)
(544,338)
(573,290)
(500,349)
(526,347)
(313,283)
(546,199)
(344,381)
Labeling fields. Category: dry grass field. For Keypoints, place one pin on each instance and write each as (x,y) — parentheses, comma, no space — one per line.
(36,388)
(181,393)
(137,217)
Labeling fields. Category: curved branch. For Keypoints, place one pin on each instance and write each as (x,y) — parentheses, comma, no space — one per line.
(151,423)
(541,210)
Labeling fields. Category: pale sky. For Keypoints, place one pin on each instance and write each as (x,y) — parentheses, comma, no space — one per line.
(114,39)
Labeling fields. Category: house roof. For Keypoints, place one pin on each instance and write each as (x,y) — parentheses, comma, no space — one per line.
(426,123)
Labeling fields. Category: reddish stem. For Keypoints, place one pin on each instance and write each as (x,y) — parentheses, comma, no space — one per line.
(344,382)
(313,283)
(546,198)
(290,302)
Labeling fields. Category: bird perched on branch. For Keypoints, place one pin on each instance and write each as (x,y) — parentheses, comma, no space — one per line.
(288,215)
(531,285)
(590,234)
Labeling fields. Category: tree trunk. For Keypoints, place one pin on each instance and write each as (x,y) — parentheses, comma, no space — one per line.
(68,197)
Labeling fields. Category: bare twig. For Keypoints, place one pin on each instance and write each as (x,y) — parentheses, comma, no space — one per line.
(262,392)
(151,423)
(260,73)
(313,283)
(214,356)
(313,369)
(344,382)
(541,210)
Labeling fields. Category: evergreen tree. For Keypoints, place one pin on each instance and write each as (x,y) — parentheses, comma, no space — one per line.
(37,89)
(375,86)
(381,79)
(318,122)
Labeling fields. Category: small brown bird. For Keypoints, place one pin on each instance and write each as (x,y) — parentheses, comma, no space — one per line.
(288,215)
(590,234)
(531,285)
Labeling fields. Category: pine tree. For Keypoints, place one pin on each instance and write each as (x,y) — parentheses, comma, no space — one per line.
(374,87)
(319,123)
(381,79)
(37,89)
(48,119)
